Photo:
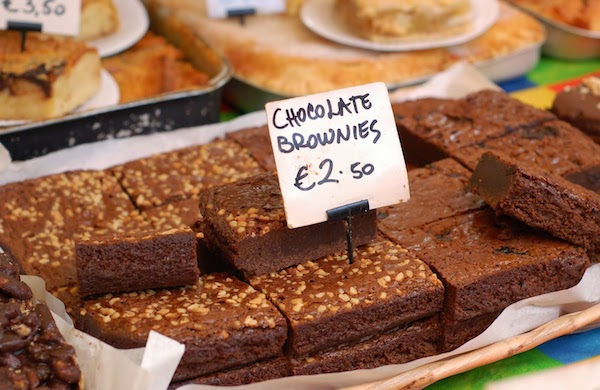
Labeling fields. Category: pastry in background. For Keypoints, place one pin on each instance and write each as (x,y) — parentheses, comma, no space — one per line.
(388,20)
(50,78)
(152,67)
(99,18)
(580,106)
(584,14)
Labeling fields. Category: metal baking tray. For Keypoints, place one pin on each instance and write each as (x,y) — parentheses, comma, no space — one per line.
(567,42)
(161,113)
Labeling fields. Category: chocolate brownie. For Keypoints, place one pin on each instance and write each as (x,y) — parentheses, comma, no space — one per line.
(244,223)
(554,146)
(431,129)
(580,106)
(183,173)
(258,142)
(456,333)
(437,191)
(406,343)
(329,302)
(33,353)
(136,261)
(255,372)
(540,200)
(40,219)
(174,215)
(222,321)
(488,262)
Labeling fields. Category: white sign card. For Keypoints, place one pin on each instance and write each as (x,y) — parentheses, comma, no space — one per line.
(336,148)
(50,16)
(226,8)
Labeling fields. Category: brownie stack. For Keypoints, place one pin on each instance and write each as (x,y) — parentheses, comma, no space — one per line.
(194,244)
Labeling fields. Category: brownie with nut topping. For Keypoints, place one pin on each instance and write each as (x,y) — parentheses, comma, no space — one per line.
(488,262)
(244,224)
(174,215)
(136,261)
(41,218)
(539,199)
(329,302)
(406,343)
(33,353)
(437,191)
(258,142)
(183,173)
(554,146)
(222,321)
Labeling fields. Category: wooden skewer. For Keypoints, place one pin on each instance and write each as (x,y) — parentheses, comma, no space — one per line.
(420,377)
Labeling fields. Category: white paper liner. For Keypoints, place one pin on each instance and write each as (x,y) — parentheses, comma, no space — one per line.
(105,367)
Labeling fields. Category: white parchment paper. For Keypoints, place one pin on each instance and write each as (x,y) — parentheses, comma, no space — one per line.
(151,368)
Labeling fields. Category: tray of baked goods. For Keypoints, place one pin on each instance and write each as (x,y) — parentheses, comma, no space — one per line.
(573,27)
(116,81)
(185,234)
(316,46)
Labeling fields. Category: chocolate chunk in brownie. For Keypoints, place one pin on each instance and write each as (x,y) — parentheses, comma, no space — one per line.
(579,105)
(136,261)
(543,201)
(488,262)
(400,345)
(437,191)
(553,146)
(33,353)
(258,142)
(255,372)
(329,302)
(183,173)
(244,223)
(41,218)
(222,321)
(587,177)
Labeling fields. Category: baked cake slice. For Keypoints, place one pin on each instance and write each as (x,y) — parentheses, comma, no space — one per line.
(50,78)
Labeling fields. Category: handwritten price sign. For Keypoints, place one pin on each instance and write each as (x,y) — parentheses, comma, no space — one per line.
(50,16)
(336,148)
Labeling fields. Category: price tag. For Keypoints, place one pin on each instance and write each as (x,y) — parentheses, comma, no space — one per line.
(334,149)
(50,16)
(228,8)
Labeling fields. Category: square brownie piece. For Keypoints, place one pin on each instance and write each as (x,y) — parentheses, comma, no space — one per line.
(541,200)
(183,173)
(437,191)
(41,218)
(553,146)
(263,370)
(222,321)
(136,261)
(488,262)
(431,129)
(244,223)
(406,343)
(330,302)
(258,142)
